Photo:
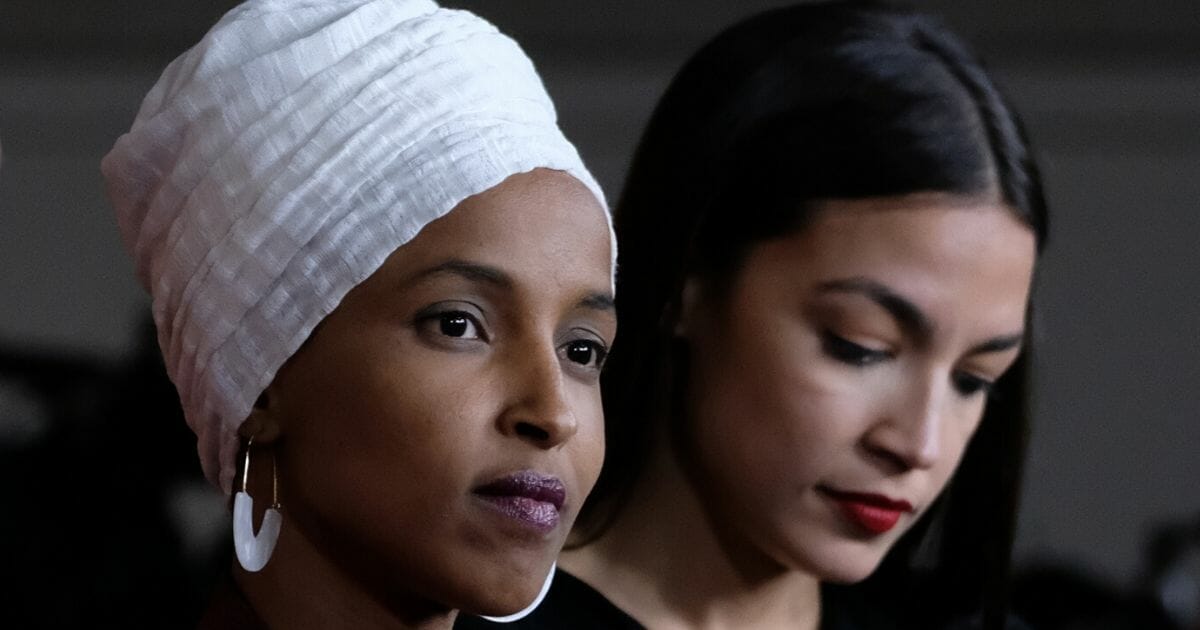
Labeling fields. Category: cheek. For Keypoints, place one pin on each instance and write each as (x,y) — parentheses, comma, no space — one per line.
(368,428)
(587,445)
(374,405)
(778,419)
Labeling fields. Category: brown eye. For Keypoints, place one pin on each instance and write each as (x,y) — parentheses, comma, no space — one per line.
(585,352)
(450,325)
(457,325)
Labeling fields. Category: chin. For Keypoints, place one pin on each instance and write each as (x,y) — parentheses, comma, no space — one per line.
(845,563)
(501,604)
(504,593)
(846,575)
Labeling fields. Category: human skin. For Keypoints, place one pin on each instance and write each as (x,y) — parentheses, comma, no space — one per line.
(473,353)
(808,377)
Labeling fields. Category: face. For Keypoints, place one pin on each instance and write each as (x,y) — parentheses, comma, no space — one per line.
(836,381)
(440,429)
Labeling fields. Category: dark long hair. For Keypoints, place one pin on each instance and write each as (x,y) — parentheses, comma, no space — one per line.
(841,100)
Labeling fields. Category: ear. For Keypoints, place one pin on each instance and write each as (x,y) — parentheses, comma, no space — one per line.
(689,305)
(263,422)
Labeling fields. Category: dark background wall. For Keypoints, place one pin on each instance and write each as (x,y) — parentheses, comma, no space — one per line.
(1110,91)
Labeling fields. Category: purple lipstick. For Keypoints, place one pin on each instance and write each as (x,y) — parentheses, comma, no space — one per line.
(527,497)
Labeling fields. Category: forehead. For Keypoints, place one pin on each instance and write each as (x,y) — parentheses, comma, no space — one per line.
(950,254)
(541,223)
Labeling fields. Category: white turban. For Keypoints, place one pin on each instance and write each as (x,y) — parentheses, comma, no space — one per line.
(275,165)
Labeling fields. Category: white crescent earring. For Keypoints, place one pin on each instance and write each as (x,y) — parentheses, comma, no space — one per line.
(253,551)
(524,612)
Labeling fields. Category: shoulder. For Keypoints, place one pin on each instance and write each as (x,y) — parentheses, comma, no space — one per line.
(571,603)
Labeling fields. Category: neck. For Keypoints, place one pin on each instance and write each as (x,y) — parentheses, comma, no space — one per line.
(667,563)
(302,588)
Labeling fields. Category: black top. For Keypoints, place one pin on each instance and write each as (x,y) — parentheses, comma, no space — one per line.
(572,604)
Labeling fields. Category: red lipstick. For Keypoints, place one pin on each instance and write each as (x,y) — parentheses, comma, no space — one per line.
(528,497)
(874,513)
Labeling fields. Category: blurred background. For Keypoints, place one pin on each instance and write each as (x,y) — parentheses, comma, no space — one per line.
(104,516)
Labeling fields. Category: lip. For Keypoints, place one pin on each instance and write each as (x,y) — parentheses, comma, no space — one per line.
(874,513)
(527,497)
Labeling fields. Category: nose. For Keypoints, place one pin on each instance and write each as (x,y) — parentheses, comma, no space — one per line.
(909,433)
(537,409)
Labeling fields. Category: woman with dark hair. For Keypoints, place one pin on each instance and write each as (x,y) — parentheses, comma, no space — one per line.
(351,219)
(828,237)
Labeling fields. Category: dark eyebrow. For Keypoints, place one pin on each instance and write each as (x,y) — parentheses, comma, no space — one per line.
(474,272)
(599,302)
(910,317)
(998,344)
(496,277)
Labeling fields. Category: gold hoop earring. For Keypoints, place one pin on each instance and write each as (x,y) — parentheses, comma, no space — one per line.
(253,551)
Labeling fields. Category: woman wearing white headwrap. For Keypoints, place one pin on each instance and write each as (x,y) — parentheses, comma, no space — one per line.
(383,277)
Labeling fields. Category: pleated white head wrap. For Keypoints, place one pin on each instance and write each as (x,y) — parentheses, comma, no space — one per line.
(275,165)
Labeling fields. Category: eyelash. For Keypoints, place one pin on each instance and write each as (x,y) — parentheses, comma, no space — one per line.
(597,353)
(850,353)
(454,318)
(969,385)
(449,323)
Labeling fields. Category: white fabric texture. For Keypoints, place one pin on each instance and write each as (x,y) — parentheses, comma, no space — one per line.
(276,164)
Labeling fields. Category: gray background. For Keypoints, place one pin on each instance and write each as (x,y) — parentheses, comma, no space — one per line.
(1110,90)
